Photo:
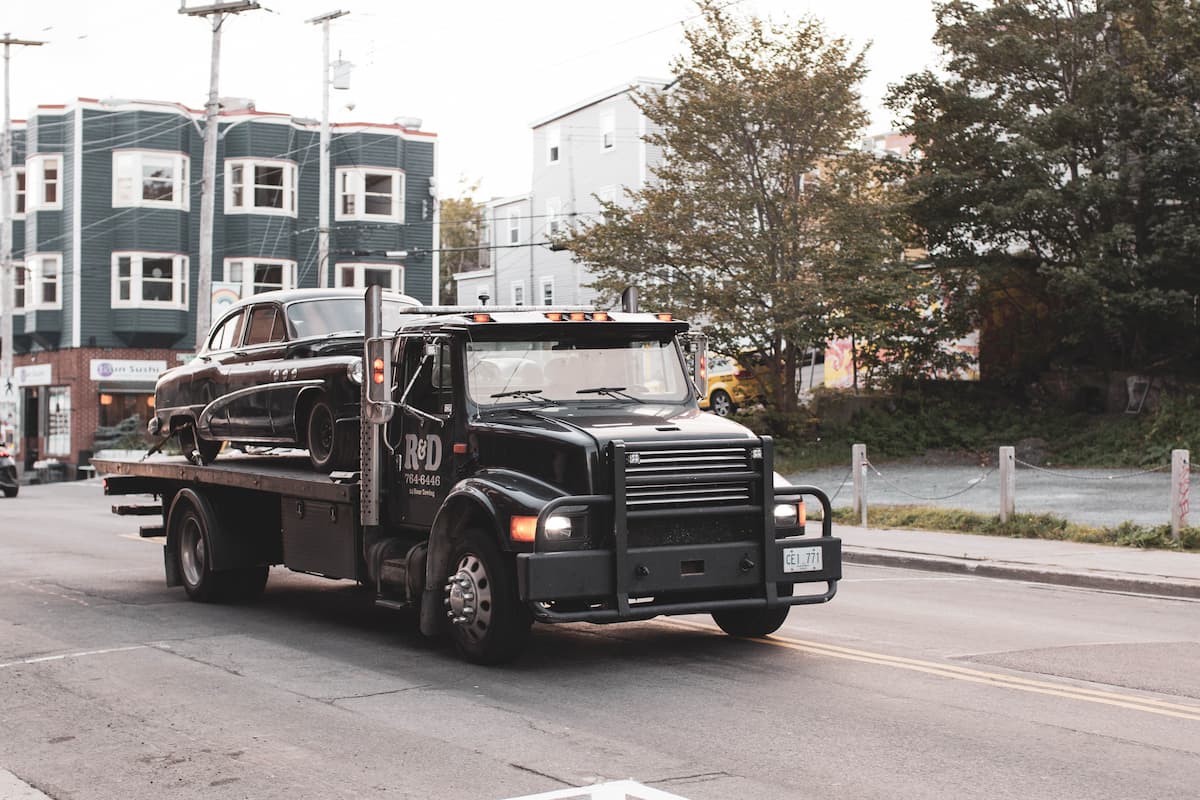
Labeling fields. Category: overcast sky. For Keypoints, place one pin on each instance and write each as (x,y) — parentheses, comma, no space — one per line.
(477,73)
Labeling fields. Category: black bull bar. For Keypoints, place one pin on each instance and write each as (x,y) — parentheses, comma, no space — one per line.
(624,583)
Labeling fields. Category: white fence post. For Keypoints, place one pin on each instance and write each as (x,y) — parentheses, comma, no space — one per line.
(1008,483)
(1181,476)
(858,466)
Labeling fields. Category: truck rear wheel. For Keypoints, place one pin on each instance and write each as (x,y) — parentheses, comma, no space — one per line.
(751,623)
(488,621)
(200,581)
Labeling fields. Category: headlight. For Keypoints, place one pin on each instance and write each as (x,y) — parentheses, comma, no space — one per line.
(787,515)
(558,528)
(354,371)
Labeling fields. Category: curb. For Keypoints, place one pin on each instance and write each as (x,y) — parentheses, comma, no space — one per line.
(1108,581)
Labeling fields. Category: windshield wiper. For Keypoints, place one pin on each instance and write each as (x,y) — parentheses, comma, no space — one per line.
(611,391)
(528,394)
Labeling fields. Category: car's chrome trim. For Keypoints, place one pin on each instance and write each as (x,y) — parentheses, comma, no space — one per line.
(205,416)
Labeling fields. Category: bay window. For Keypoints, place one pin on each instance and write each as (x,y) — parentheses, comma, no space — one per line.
(256,275)
(370,193)
(260,187)
(149,280)
(150,178)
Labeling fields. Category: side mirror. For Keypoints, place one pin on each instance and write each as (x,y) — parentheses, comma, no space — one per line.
(378,378)
(695,345)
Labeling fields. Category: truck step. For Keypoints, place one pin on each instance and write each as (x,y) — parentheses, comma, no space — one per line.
(394,605)
(137,510)
(151,531)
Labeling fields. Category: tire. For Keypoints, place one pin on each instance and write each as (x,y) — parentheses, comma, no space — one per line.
(721,403)
(329,448)
(196,450)
(488,622)
(753,623)
(200,581)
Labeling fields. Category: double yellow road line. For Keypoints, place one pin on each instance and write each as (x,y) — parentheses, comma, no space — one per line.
(1149,705)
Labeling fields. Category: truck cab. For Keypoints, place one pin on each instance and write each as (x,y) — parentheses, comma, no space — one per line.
(557,463)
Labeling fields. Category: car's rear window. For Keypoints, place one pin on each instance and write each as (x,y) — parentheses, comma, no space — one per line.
(338,315)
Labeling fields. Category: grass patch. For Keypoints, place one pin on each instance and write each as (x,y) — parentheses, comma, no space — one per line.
(1021,526)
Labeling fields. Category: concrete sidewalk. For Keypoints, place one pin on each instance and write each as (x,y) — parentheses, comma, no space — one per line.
(1123,569)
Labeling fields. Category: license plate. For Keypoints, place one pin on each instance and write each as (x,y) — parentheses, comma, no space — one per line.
(801,559)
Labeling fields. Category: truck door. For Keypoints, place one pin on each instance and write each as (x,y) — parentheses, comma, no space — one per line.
(424,457)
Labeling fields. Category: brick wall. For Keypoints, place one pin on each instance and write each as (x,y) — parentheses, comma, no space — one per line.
(72,368)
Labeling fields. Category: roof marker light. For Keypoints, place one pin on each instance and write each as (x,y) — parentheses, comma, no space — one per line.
(578,316)
(663,317)
(600,316)
(481,318)
(554,316)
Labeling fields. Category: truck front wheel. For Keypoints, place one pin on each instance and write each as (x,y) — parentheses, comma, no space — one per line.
(488,621)
(751,623)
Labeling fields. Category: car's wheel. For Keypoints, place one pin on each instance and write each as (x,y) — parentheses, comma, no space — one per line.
(488,621)
(751,623)
(195,449)
(721,403)
(329,448)
(200,581)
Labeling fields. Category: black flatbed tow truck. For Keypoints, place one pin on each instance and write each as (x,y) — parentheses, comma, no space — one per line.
(490,511)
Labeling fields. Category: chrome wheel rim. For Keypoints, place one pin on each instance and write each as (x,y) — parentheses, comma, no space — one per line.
(469,598)
(721,404)
(191,551)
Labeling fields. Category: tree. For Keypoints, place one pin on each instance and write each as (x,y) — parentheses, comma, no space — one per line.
(461,227)
(1061,162)
(760,221)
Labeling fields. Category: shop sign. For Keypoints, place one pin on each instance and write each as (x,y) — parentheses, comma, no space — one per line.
(33,375)
(117,370)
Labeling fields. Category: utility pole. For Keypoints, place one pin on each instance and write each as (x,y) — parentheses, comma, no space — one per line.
(323,206)
(217,11)
(6,220)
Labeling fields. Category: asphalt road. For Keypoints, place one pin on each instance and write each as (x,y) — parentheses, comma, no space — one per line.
(1087,496)
(907,685)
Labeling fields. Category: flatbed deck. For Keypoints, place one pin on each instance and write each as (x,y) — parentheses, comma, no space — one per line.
(283,475)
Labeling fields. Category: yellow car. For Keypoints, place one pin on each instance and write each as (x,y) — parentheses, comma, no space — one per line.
(730,385)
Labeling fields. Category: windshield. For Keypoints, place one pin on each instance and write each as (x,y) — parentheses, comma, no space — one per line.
(339,314)
(567,369)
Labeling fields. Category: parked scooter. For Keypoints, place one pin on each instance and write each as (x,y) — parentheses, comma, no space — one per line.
(10,482)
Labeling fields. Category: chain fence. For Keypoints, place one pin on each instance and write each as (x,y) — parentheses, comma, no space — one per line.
(971,484)
(1076,477)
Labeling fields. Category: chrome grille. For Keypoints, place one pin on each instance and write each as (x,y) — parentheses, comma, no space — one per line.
(691,478)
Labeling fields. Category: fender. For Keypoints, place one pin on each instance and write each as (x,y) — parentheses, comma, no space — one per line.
(228,546)
(487,498)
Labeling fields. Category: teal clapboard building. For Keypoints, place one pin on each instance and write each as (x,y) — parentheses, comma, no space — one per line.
(106,241)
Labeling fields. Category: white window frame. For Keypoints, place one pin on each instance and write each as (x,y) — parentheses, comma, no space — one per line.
(35,182)
(360,267)
(179,280)
(352,181)
(248,166)
(547,282)
(554,221)
(514,227)
(516,293)
(247,283)
(553,145)
(19,195)
(608,131)
(35,282)
(133,163)
(22,275)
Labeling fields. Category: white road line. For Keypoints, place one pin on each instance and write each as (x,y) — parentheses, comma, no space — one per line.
(81,654)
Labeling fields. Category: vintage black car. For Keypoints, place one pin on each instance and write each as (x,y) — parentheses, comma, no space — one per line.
(281,369)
